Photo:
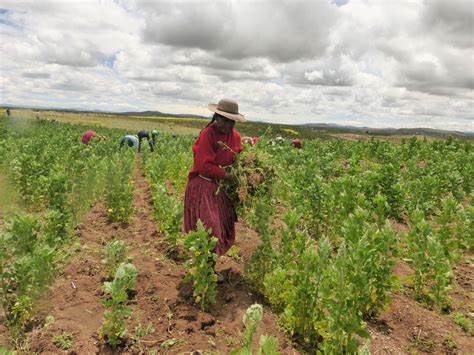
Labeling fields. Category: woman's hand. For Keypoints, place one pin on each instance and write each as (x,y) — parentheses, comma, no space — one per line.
(230,177)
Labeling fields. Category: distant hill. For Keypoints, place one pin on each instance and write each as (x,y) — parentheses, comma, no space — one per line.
(305,130)
(330,126)
(131,113)
(159,114)
(389,131)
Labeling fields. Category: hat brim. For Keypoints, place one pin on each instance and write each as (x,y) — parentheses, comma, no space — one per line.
(232,116)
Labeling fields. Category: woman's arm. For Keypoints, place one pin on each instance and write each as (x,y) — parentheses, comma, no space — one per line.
(205,157)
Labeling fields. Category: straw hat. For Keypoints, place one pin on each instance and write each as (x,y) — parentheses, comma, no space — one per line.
(228,108)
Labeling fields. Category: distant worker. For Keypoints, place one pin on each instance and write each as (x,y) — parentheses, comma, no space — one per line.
(279,139)
(37,115)
(250,140)
(131,141)
(87,136)
(174,135)
(7,110)
(296,143)
(154,135)
(247,140)
(145,135)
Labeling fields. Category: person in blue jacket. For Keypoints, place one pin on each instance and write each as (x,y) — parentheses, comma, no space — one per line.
(131,141)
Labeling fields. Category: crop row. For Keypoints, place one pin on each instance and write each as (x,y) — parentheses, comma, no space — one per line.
(329,267)
(325,269)
(56,179)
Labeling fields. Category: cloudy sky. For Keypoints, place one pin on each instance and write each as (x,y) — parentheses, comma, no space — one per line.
(377,63)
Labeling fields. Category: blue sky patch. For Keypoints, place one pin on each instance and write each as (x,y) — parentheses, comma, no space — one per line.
(340,2)
(109,61)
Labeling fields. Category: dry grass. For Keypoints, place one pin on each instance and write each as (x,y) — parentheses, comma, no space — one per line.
(395,138)
(131,123)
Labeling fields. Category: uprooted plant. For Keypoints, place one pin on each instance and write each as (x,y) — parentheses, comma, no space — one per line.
(254,174)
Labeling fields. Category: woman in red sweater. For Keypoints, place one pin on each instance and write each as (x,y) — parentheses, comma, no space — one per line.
(215,148)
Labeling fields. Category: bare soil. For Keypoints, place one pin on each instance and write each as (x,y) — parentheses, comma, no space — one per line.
(409,326)
(162,299)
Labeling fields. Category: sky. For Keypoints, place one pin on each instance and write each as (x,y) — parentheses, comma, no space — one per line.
(374,63)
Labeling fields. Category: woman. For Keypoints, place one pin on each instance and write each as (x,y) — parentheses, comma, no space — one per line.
(248,140)
(129,140)
(88,135)
(296,143)
(215,148)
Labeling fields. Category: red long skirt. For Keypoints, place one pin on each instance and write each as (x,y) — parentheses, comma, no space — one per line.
(215,211)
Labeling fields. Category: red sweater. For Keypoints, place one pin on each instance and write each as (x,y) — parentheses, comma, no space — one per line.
(87,135)
(211,153)
(297,143)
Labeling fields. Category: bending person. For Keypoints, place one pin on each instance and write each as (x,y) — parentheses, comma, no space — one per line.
(131,141)
(88,135)
(296,143)
(216,147)
(144,135)
(154,135)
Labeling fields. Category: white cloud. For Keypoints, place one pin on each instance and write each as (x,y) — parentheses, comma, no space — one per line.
(368,62)
(281,30)
(452,21)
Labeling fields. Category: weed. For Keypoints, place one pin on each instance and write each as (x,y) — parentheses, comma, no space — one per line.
(141,331)
(168,343)
(64,340)
(49,321)
(21,315)
(365,350)
(419,342)
(449,343)
(231,341)
(234,253)
(464,322)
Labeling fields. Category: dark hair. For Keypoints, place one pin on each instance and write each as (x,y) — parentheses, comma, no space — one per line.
(215,116)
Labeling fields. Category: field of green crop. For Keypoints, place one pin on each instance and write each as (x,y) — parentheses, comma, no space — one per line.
(335,221)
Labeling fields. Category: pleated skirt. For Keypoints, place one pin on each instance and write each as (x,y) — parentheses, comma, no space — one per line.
(203,201)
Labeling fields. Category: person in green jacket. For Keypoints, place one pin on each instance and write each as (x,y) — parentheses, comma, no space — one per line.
(154,135)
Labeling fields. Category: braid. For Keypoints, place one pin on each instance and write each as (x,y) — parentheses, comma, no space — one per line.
(214,117)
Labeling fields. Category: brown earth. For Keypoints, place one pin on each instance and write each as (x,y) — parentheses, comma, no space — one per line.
(464,277)
(162,299)
(408,326)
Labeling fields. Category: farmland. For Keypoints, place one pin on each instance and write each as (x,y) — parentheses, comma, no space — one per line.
(350,246)
(184,125)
